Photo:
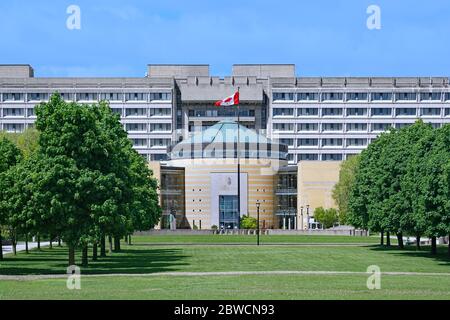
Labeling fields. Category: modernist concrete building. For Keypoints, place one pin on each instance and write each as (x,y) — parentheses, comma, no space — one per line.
(321,121)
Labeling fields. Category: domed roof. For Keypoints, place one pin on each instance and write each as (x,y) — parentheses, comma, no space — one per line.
(220,141)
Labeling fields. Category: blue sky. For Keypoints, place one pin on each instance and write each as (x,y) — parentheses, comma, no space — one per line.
(323,38)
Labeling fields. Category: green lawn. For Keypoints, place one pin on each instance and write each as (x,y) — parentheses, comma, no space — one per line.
(247,239)
(143,258)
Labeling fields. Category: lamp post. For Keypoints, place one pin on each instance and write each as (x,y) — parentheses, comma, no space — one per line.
(257,222)
(307,215)
(301,214)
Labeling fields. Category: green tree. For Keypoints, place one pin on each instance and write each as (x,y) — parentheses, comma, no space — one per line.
(327,217)
(248,222)
(342,189)
(10,156)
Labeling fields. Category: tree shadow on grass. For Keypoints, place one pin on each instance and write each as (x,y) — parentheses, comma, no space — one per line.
(127,261)
(411,251)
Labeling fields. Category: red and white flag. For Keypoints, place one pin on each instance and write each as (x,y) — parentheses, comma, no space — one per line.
(230,101)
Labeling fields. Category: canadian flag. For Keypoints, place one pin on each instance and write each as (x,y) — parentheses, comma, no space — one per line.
(230,101)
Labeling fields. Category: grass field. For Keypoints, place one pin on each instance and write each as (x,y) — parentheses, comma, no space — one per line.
(165,267)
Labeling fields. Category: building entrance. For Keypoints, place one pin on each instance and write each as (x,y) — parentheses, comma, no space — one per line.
(228,212)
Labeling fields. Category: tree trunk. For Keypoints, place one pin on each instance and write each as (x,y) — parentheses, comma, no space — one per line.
(418,242)
(129,239)
(400,240)
(110,244)
(59,241)
(382,238)
(26,244)
(84,256)
(433,245)
(14,245)
(388,238)
(51,244)
(39,241)
(94,252)
(449,245)
(116,244)
(103,247)
(1,246)
(71,255)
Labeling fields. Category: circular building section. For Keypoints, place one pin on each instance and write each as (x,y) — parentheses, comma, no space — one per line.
(209,162)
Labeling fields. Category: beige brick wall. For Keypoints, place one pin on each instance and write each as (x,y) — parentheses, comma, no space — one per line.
(316,180)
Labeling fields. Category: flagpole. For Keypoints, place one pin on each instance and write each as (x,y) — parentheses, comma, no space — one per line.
(239,162)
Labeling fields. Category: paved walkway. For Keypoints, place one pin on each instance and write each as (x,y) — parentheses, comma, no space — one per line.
(218,273)
(21,246)
(319,244)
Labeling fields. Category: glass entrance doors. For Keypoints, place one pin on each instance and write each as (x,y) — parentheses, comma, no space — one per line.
(228,212)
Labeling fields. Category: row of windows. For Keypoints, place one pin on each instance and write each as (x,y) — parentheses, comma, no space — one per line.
(328,142)
(145,143)
(360,96)
(222,112)
(338,127)
(90,96)
(358,112)
(292,158)
(129,112)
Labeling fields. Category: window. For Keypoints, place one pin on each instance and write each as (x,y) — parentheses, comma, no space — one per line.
(331,157)
(161,96)
(287,141)
(138,142)
(13,112)
(447,112)
(13,97)
(87,96)
(327,112)
(159,142)
(283,96)
(357,96)
(380,127)
(308,157)
(163,127)
(332,96)
(117,111)
(283,112)
(356,127)
(406,96)
(30,112)
(332,127)
(290,157)
(308,127)
(37,96)
(331,142)
(135,96)
(308,142)
(111,96)
(308,96)
(66,96)
(356,112)
(136,127)
(405,112)
(158,157)
(160,112)
(430,112)
(136,112)
(356,142)
(381,96)
(447,96)
(402,125)
(13,127)
(430,96)
(306,112)
(378,112)
(283,127)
